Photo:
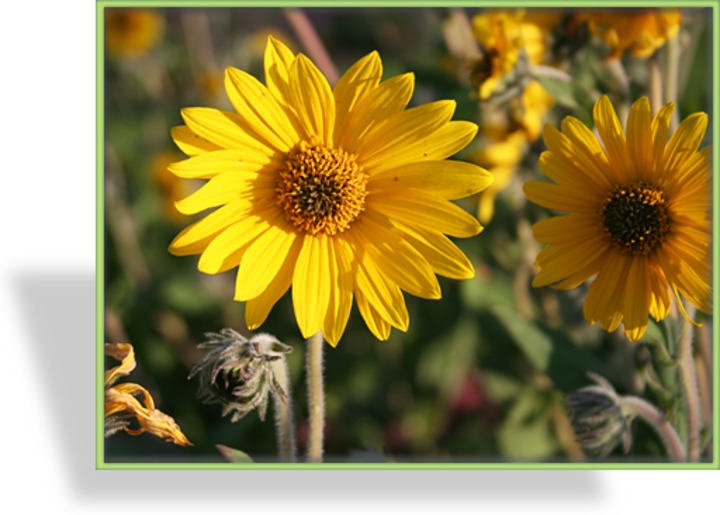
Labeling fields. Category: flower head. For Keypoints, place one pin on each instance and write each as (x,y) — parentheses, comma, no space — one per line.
(122,406)
(641,32)
(342,193)
(598,418)
(238,373)
(639,214)
(132,32)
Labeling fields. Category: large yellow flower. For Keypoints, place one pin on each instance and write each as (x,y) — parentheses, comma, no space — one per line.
(340,193)
(639,214)
(641,32)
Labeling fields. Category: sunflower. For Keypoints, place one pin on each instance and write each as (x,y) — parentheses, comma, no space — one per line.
(641,32)
(340,193)
(639,214)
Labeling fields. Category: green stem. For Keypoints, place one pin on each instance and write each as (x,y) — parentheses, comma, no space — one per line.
(284,424)
(659,423)
(689,382)
(316,398)
(655,83)
(672,67)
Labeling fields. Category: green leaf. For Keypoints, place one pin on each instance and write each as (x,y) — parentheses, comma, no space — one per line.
(527,432)
(233,455)
(551,351)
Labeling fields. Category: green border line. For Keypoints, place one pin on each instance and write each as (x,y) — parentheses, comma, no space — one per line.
(714,5)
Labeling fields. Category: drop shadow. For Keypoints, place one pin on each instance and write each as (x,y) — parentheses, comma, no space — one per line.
(64,349)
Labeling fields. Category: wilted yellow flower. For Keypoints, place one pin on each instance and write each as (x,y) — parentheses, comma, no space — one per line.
(132,31)
(340,193)
(641,32)
(122,405)
(639,214)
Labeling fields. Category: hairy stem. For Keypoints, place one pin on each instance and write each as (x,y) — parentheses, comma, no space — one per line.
(659,423)
(284,423)
(689,382)
(316,398)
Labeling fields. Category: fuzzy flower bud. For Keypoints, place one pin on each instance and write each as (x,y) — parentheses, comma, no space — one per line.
(240,373)
(598,418)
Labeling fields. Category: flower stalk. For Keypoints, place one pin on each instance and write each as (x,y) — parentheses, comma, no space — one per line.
(689,382)
(655,419)
(316,398)
(283,407)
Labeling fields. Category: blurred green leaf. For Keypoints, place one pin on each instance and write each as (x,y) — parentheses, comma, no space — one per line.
(527,432)
(551,352)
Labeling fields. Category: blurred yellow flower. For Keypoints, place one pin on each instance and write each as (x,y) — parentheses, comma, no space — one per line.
(639,214)
(641,32)
(172,188)
(122,405)
(340,193)
(132,32)
(504,36)
(501,155)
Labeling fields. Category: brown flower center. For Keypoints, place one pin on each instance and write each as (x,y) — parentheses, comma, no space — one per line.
(636,217)
(321,189)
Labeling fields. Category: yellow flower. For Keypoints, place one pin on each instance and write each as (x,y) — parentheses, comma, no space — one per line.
(503,36)
(642,32)
(122,405)
(132,31)
(501,157)
(340,193)
(639,214)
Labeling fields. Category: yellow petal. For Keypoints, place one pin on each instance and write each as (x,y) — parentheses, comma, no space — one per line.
(313,99)
(258,309)
(124,353)
(341,274)
(227,248)
(260,113)
(660,128)
(444,142)
(264,258)
(196,237)
(383,101)
(684,142)
(636,305)
(397,133)
(223,129)
(395,258)
(377,325)
(311,287)
(210,164)
(604,302)
(356,83)
(561,198)
(420,209)
(190,143)
(278,59)
(225,188)
(447,179)
(639,140)
(613,136)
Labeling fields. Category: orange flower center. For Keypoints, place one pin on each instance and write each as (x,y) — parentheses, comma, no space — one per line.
(636,217)
(321,189)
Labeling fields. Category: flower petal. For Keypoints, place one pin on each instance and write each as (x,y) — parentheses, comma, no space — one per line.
(196,237)
(264,258)
(311,284)
(223,129)
(561,198)
(225,188)
(278,59)
(636,304)
(420,209)
(313,100)
(258,109)
(354,85)
(190,143)
(447,179)
(210,164)
(613,136)
(342,273)
(377,325)
(258,309)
